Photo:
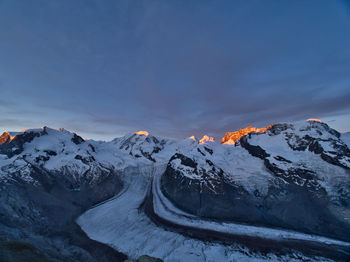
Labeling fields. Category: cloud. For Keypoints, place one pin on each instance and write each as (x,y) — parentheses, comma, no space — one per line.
(173,68)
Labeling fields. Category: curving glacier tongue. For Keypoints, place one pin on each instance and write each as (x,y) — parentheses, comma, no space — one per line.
(122,223)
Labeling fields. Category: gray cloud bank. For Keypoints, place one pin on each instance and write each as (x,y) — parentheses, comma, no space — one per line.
(175,68)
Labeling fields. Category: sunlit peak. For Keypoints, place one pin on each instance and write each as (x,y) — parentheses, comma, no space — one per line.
(206,139)
(6,137)
(231,138)
(144,133)
(315,120)
(192,138)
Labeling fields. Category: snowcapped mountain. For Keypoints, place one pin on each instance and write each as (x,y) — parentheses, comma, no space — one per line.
(142,145)
(57,151)
(291,177)
(61,151)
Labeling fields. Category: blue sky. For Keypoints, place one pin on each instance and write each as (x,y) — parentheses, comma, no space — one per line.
(174,68)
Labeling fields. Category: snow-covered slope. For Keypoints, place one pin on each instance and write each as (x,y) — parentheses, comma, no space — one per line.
(47,178)
(141,145)
(293,176)
(121,223)
(346,138)
(57,151)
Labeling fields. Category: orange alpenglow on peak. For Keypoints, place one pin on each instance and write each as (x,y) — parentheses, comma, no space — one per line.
(206,139)
(144,133)
(192,138)
(231,138)
(315,119)
(5,137)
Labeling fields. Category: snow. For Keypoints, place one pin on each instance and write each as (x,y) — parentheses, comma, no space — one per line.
(121,225)
(238,165)
(185,170)
(252,174)
(329,176)
(165,209)
(346,138)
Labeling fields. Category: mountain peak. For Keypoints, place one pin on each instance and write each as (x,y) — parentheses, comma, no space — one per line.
(315,120)
(6,137)
(206,139)
(231,138)
(192,138)
(143,133)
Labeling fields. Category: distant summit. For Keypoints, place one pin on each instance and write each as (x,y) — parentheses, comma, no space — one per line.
(232,137)
(205,139)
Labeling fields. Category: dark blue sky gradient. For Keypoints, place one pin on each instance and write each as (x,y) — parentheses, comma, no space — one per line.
(174,68)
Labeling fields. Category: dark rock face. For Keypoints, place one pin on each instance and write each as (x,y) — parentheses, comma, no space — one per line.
(315,147)
(13,251)
(210,151)
(288,206)
(92,148)
(298,176)
(43,216)
(278,128)
(212,196)
(50,152)
(256,151)
(149,155)
(77,139)
(85,160)
(186,161)
(15,146)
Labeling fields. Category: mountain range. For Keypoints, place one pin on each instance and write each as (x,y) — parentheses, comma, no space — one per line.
(280,193)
